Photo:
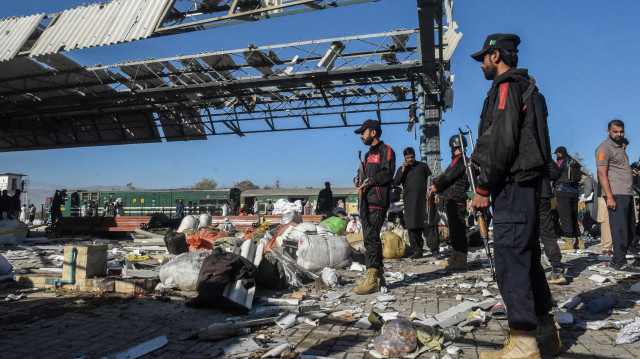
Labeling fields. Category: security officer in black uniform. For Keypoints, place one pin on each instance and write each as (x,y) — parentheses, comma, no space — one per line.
(453,185)
(511,155)
(374,182)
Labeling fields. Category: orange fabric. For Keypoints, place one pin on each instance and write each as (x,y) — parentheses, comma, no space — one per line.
(204,239)
(272,242)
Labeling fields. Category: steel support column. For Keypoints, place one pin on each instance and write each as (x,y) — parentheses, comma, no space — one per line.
(429,120)
(429,107)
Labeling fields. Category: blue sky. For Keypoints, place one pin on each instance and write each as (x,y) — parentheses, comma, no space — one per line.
(582,53)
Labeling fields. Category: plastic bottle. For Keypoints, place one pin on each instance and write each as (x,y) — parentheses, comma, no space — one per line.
(601,304)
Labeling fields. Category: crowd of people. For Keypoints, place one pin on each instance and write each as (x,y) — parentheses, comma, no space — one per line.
(519,180)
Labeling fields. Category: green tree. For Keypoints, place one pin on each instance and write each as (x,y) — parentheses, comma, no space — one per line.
(205,183)
(245,185)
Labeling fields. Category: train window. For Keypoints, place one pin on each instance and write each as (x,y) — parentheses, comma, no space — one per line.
(207,201)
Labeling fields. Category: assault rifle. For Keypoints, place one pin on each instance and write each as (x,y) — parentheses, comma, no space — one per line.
(483,216)
(362,199)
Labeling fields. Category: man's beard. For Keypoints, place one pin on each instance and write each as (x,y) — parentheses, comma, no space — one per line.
(490,72)
(368,141)
(618,140)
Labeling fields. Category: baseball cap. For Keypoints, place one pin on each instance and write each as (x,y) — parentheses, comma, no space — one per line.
(497,42)
(370,124)
(560,149)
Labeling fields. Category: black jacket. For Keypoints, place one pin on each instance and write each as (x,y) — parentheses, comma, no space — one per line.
(550,174)
(453,183)
(513,143)
(379,163)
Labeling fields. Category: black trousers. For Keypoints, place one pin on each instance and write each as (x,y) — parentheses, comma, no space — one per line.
(456,214)
(548,234)
(567,204)
(587,218)
(416,242)
(371,225)
(516,228)
(622,222)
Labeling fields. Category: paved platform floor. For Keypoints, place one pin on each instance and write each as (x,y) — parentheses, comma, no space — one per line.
(47,324)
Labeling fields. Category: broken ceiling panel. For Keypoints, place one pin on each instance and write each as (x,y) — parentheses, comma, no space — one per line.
(14,32)
(100,24)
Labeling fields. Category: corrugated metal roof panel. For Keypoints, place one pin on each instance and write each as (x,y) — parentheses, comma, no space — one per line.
(98,25)
(14,32)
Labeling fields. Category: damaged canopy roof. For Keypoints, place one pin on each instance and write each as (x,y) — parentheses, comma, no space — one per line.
(51,101)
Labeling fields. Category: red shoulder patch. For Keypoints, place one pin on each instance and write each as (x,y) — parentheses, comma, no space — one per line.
(504,88)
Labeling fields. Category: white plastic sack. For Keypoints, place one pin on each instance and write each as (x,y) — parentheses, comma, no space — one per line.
(316,252)
(323,230)
(205,220)
(13,238)
(182,271)
(189,222)
(291,216)
(227,226)
(283,206)
(330,277)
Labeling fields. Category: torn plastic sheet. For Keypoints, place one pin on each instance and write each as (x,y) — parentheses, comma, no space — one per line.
(630,333)
(603,324)
(296,275)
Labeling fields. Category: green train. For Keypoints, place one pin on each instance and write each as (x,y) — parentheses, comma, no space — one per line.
(147,202)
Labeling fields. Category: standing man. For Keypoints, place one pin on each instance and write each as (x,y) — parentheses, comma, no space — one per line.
(269,207)
(256,206)
(567,192)
(180,209)
(32,213)
(616,178)
(5,204)
(234,207)
(414,178)
(588,195)
(373,181)
(15,205)
(325,201)
(453,185)
(510,153)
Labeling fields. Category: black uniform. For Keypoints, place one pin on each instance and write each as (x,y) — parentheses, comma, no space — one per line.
(453,185)
(414,181)
(547,225)
(325,202)
(5,204)
(510,152)
(378,163)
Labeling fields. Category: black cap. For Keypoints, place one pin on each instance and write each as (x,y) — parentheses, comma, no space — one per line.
(560,149)
(370,124)
(497,42)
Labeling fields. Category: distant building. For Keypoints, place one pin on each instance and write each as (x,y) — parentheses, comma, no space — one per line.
(12,182)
